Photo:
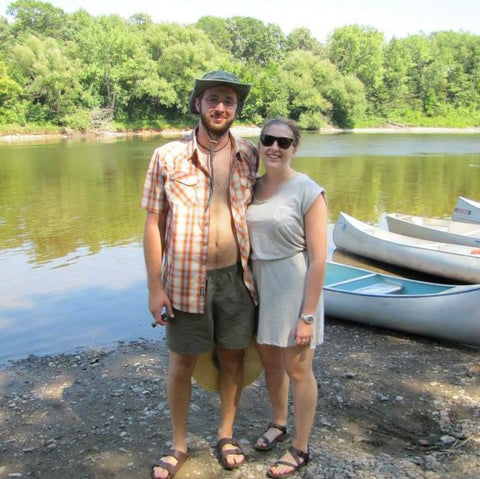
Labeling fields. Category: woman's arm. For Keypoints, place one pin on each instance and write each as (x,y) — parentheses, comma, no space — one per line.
(316,221)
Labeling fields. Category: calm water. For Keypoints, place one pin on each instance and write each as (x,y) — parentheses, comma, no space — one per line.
(71,263)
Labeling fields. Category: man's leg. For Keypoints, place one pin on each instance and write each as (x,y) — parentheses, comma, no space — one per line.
(230,386)
(234,315)
(179,388)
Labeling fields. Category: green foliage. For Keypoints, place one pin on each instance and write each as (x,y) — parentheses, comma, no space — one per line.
(10,98)
(35,17)
(77,121)
(319,92)
(63,69)
(216,29)
(301,39)
(358,51)
(49,77)
(255,42)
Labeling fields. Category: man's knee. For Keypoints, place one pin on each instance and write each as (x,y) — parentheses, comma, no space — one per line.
(230,359)
(181,366)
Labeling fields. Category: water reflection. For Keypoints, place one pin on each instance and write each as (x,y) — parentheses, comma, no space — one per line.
(57,198)
(98,300)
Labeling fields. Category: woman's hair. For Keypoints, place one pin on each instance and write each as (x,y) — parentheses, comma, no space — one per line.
(285,121)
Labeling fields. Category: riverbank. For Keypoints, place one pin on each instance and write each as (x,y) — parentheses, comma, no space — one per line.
(390,406)
(247,131)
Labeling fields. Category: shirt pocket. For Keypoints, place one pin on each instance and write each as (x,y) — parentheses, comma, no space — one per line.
(244,191)
(182,189)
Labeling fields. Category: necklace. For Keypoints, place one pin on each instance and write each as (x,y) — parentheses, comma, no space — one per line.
(213,141)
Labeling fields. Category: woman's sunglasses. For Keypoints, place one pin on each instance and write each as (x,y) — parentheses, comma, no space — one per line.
(283,142)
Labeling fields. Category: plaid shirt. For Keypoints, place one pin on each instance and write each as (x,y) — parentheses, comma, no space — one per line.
(178,183)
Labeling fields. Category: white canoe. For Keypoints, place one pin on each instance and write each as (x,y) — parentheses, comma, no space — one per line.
(466,210)
(429,309)
(433,229)
(439,259)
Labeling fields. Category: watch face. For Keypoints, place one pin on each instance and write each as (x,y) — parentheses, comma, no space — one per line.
(308,318)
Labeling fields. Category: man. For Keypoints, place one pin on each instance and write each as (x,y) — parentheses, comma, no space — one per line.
(196,252)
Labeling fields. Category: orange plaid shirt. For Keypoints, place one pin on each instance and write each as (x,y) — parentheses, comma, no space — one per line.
(178,183)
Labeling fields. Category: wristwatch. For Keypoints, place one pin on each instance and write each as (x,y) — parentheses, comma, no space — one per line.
(307,318)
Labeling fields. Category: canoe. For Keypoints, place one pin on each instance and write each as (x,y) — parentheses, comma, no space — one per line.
(448,312)
(453,261)
(466,210)
(433,229)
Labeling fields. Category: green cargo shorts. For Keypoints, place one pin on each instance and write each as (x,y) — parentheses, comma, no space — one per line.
(228,320)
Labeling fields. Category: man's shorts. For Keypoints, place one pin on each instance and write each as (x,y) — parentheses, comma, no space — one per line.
(228,320)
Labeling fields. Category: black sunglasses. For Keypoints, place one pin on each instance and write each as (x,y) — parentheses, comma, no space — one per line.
(283,142)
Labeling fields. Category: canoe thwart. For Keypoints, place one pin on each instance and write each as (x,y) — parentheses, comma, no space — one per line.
(382,287)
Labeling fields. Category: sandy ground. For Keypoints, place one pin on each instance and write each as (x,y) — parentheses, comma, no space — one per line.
(390,406)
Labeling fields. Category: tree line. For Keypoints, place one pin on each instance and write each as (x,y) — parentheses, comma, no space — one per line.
(78,72)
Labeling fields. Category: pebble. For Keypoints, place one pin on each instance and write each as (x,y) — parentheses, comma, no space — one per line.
(112,412)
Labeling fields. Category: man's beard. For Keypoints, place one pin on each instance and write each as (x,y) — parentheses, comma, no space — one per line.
(215,131)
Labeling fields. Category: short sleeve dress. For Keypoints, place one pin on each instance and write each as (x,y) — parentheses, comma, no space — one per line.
(280,260)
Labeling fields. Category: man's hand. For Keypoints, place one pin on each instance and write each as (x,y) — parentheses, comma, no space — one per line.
(160,307)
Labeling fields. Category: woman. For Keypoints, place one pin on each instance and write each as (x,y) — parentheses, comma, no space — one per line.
(287,223)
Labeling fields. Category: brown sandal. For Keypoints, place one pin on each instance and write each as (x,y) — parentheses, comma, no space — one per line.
(172,469)
(222,454)
(270,444)
(297,455)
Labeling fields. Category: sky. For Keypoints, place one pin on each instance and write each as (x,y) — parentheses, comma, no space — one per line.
(392,18)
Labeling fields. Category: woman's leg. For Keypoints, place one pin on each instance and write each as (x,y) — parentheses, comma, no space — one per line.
(277,385)
(298,365)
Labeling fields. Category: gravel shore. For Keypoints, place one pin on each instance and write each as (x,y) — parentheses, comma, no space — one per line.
(247,131)
(390,406)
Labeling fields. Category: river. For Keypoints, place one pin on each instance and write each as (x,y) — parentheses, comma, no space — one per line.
(71,263)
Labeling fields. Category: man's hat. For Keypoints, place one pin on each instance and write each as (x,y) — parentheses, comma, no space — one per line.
(207,370)
(219,78)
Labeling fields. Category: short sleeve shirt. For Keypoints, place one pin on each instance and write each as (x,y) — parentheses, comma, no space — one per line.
(177,184)
(276,225)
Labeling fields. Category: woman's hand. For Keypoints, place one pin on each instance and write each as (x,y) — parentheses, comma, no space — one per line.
(303,333)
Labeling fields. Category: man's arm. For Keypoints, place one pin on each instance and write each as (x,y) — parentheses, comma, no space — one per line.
(153,243)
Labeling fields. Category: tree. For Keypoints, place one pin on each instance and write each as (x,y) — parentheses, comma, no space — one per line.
(140,19)
(319,93)
(49,77)
(421,75)
(302,39)
(254,42)
(216,29)
(397,65)
(6,37)
(40,18)
(10,98)
(358,50)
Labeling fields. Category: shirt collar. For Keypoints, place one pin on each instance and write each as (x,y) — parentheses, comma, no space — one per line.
(193,154)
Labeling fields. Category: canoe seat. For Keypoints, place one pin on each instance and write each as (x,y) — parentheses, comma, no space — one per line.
(382,287)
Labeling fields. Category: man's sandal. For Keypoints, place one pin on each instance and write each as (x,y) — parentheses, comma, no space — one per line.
(297,455)
(234,450)
(270,444)
(172,469)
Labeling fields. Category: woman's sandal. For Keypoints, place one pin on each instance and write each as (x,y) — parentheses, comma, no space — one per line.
(270,444)
(297,455)
(172,469)
(223,453)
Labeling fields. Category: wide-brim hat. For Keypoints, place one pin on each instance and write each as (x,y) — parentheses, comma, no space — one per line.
(207,370)
(219,78)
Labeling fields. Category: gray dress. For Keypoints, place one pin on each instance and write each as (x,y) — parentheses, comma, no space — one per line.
(280,260)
